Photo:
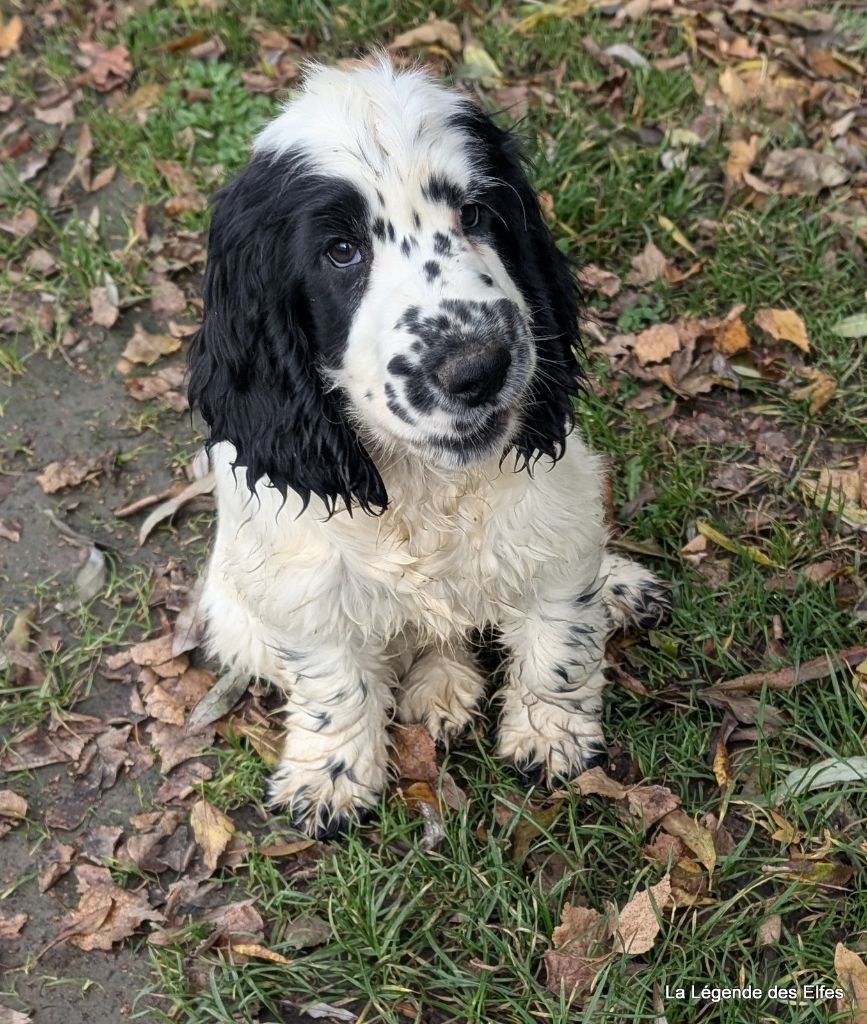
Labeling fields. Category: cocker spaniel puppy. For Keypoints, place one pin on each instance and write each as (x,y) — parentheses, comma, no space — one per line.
(387,365)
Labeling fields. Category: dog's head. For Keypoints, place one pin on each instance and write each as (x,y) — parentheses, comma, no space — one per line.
(380,279)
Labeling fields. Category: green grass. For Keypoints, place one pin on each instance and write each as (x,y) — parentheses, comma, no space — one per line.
(457,933)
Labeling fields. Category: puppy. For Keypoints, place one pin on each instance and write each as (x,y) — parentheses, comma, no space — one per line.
(387,365)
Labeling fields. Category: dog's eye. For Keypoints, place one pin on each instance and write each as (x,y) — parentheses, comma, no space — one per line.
(344,254)
(470,215)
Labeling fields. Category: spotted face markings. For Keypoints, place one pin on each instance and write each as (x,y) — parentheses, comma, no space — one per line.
(391,232)
(394,405)
(431,270)
(405,247)
(416,219)
(440,190)
(486,280)
(378,228)
(442,244)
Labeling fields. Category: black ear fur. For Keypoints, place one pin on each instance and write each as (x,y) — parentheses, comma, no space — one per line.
(254,361)
(544,275)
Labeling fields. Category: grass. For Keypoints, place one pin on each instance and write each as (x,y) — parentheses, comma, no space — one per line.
(457,933)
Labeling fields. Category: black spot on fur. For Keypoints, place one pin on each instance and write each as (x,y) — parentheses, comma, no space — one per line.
(442,244)
(486,280)
(405,247)
(440,190)
(416,219)
(431,270)
(378,228)
(391,231)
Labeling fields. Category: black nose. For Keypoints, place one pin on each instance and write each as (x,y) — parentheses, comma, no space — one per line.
(476,377)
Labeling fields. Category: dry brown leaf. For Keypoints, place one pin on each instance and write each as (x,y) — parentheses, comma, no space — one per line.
(581,950)
(166,385)
(656,344)
(286,849)
(770,930)
(72,472)
(844,485)
(103,306)
(174,744)
(432,33)
(852,975)
(62,115)
(147,348)
(598,280)
(212,830)
(167,299)
(650,803)
(733,87)
(106,67)
(742,153)
(820,390)
(22,224)
(12,805)
(804,170)
(178,178)
(783,325)
(637,923)
(260,952)
(596,783)
(414,753)
(10,34)
(267,742)
(106,914)
(10,925)
(732,337)
(649,266)
(10,1016)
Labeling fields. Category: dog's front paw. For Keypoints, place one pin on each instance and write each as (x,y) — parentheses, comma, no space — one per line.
(324,797)
(442,691)
(633,595)
(547,742)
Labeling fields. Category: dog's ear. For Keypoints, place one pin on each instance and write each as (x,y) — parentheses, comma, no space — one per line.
(544,275)
(254,361)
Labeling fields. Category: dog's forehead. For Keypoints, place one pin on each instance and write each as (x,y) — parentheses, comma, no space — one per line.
(389,132)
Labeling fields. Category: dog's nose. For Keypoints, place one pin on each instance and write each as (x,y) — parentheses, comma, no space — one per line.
(476,377)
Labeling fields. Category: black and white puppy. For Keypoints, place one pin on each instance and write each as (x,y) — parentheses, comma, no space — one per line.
(387,366)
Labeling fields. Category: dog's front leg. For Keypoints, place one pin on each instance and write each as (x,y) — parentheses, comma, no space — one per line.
(335,757)
(552,698)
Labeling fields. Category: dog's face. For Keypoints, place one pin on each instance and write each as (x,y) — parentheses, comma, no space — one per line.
(381,281)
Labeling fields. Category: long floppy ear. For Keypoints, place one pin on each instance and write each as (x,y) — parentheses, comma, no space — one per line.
(254,361)
(544,275)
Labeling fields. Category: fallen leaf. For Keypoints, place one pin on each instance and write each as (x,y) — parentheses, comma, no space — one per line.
(219,700)
(167,509)
(821,389)
(783,325)
(821,775)
(595,782)
(62,115)
(22,224)
(852,975)
(107,67)
(786,678)
(212,830)
(626,54)
(804,170)
(732,337)
(414,753)
(656,344)
(770,930)
(12,805)
(852,326)
(598,280)
(104,305)
(742,153)
(175,744)
(637,923)
(286,849)
(156,654)
(716,537)
(10,926)
(267,742)
(699,840)
(434,32)
(258,951)
(147,348)
(167,299)
(479,64)
(91,577)
(74,471)
(10,34)
(649,266)
(533,823)
(580,952)
(106,913)
(166,385)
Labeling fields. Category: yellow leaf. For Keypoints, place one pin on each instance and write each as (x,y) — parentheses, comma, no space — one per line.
(732,337)
(212,831)
(741,157)
(260,952)
(722,766)
(783,325)
(698,839)
(481,65)
(820,390)
(656,344)
(676,234)
(10,33)
(716,537)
